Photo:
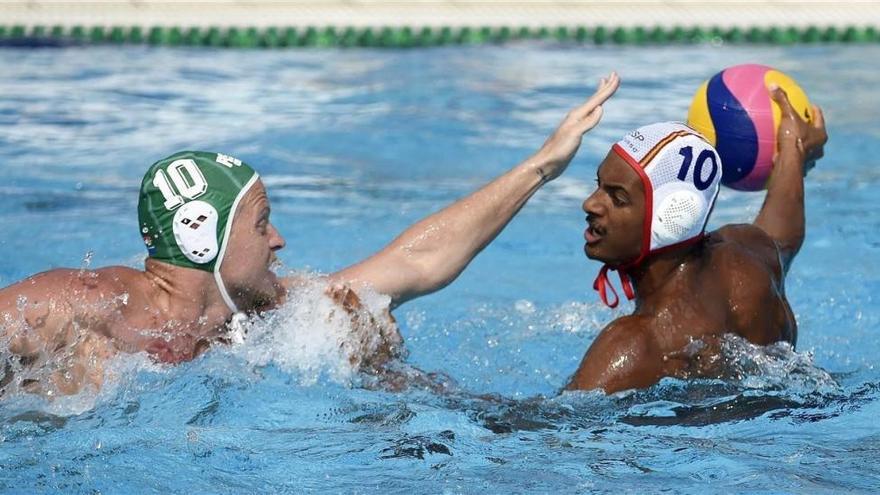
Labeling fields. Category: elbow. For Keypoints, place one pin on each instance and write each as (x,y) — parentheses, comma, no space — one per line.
(417,274)
(793,245)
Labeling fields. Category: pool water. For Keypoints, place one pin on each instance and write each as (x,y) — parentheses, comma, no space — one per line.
(355,145)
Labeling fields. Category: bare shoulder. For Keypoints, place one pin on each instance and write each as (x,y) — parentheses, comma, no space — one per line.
(744,246)
(43,310)
(623,356)
(114,280)
(624,329)
(747,264)
(66,289)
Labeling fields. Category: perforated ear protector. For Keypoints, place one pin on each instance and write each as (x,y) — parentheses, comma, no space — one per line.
(678,215)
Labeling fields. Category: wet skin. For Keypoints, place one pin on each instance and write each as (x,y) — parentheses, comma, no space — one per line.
(101,312)
(76,319)
(66,323)
(686,299)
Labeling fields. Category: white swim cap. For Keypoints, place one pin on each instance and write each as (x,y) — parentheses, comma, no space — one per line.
(681,176)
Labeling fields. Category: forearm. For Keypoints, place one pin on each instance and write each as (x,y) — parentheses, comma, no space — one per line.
(445,242)
(782,215)
(433,252)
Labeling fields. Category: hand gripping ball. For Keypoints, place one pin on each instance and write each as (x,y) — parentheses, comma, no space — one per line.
(734,111)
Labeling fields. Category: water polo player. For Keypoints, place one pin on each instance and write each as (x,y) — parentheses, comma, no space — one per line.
(647,219)
(204,218)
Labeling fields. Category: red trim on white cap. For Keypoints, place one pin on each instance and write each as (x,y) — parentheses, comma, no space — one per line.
(601,284)
(649,203)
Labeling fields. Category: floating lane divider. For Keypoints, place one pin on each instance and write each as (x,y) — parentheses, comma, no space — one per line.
(408,37)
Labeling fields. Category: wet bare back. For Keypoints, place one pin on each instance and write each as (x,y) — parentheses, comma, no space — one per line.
(59,327)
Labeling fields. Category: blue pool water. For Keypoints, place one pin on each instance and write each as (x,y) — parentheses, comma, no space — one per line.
(355,145)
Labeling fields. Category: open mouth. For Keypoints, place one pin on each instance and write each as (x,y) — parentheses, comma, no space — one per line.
(593,233)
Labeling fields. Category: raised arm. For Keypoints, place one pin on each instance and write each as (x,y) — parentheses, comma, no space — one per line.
(432,253)
(799,145)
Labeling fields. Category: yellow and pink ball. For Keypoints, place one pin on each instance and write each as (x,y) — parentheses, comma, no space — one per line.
(734,111)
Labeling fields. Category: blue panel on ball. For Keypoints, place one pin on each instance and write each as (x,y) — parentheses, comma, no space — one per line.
(737,138)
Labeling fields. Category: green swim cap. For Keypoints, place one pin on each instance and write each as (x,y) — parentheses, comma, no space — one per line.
(186,206)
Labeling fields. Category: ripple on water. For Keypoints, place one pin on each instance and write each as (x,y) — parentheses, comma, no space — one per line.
(356,144)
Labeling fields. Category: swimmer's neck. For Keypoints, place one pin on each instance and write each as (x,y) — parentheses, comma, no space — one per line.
(656,274)
(186,295)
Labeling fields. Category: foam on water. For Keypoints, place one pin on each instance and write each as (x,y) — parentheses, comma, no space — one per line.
(312,339)
(120,372)
(312,336)
(776,367)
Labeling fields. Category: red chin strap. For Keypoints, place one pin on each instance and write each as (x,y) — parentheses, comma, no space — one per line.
(602,284)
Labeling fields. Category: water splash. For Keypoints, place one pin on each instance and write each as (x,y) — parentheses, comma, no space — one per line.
(314,336)
(321,332)
(38,358)
(760,380)
(775,367)
(120,372)
(757,380)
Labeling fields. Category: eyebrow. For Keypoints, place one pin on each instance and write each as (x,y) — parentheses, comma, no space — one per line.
(606,185)
(264,213)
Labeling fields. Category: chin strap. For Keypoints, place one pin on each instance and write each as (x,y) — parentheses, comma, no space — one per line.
(602,284)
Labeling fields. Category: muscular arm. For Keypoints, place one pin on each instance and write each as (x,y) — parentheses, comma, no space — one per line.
(782,215)
(432,253)
(622,357)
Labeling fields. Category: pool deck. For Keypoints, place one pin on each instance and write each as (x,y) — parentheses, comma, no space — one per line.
(439,13)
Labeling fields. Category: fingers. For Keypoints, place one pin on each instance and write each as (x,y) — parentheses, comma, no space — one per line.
(781,98)
(818,118)
(609,83)
(607,86)
(818,130)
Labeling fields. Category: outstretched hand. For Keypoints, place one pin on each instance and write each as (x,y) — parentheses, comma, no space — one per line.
(556,153)
(795,135)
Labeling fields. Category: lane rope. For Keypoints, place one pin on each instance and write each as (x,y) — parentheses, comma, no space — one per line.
(413,37)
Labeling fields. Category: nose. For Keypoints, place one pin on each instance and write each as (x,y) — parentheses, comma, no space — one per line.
(276,242)
(592,205)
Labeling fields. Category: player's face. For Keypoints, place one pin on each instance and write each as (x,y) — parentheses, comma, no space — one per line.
(615,213)
(250,252)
